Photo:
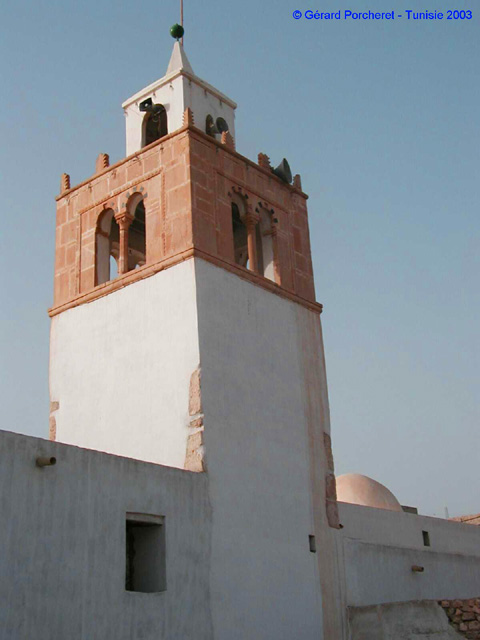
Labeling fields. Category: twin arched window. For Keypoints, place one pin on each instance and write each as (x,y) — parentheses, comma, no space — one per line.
(109,261)
(253,245)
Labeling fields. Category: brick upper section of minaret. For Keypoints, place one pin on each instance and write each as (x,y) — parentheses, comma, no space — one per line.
(187,194)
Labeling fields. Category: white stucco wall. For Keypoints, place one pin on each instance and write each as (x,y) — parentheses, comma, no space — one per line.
(120,368)
(265,581)
(203,102)
(377,549)
(62,566)
(176,94)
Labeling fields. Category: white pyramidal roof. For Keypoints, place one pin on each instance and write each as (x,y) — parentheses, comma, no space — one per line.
(179,65)
(179,60)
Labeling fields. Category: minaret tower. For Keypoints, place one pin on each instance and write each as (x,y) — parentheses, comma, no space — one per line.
(185,332)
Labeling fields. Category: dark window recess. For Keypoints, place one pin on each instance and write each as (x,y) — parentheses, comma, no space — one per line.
(240,237)
(426,538)
(145,553)
(137,238)
(155,123)
(312,544)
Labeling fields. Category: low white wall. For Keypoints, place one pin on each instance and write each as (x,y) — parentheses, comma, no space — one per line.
(62,566)
(120,368)
(377,549)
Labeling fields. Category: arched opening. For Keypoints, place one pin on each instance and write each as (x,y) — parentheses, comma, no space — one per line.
(155,124)
(210,128)
(136,234)
(107,247)
(265,249)
(240,236)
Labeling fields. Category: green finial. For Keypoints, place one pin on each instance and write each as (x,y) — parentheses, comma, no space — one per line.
(177,31)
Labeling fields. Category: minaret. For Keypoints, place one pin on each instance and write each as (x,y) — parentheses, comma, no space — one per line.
(185,332)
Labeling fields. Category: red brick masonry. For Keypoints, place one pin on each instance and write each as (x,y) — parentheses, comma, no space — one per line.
(186,181)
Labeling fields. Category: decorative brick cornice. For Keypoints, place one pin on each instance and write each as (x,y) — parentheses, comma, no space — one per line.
(151,269)
(103,161)
(188,119)
(227,140)
(264,161)
(239,190)
(64,182)
(266,206)
(158,143)
(113,168)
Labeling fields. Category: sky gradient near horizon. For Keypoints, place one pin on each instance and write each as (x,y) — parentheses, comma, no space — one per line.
(381,119)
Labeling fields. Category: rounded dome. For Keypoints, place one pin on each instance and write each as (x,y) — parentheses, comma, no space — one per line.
(357,489)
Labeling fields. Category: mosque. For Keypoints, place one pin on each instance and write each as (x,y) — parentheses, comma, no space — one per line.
(187,488)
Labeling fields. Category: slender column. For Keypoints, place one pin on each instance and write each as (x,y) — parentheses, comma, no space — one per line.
(124,221)
(276,261)
(251,221)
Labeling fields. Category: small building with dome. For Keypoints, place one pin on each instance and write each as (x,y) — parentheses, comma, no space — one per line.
(355,488)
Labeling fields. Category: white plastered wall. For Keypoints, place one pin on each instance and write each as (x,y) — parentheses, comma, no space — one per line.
(176,94)
(265,581)
(120,368)
(62,567)
(377,549)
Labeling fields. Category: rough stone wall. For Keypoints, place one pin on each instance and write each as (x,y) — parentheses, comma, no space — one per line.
(464,616)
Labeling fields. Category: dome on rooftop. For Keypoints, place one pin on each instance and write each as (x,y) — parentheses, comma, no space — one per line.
(357,489)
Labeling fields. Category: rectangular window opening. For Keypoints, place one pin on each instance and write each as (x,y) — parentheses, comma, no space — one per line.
(145,553)
(426,538)
(312,544)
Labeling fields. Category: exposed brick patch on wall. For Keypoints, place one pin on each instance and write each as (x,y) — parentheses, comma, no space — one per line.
(52,430)
(330,485)
(464,616)
(194,458)
(195,396)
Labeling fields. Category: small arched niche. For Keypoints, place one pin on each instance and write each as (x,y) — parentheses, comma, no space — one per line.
(107,247)
(137,245)
(210,128)
(239,231)
(155,124)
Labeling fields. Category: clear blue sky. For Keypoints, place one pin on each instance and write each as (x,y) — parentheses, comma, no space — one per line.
(381,119)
